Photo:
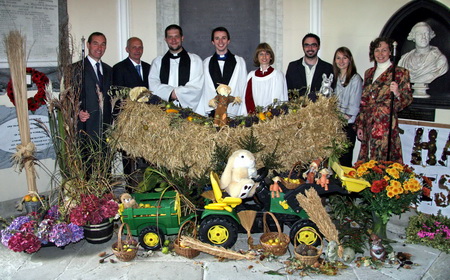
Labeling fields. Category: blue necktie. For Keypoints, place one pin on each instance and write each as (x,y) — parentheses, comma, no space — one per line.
(99,76)
(138,68)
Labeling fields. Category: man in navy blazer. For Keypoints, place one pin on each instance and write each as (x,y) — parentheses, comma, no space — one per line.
(132,72)
(126,73)
(305,74)
(93,84)
(91,79)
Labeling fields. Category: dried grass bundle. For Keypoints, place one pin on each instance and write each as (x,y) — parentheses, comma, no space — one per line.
(148,131)
(247,218)
(15,50)
(213,250)
(312,204)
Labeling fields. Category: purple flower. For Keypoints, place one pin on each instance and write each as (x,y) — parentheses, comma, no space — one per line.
(44,230)
(18,222)
(60,235)
(77,232)
(6,235)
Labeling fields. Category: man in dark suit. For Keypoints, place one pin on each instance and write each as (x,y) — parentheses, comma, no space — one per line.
(305,74)
(132,72)
(92,83)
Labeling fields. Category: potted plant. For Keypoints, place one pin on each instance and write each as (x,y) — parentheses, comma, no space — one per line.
(394,187)
(30,232)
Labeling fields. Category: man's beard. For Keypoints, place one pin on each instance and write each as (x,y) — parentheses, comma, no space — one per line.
(311,56)
(175,49)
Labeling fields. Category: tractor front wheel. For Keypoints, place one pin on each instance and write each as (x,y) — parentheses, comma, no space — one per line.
(308,235)
(151,238)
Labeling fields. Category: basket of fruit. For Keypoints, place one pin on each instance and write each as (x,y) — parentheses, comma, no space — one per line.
(274,242)
(293,180)
(190,231)
(126,249)
(307,254)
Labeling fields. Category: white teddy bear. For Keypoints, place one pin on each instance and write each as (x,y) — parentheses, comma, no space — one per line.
(237,177)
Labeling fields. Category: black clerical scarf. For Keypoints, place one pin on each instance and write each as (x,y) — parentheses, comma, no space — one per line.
(184,69)
(228,69)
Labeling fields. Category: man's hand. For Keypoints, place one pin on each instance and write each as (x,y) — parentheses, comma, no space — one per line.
(173,96)
(360,134)
(83,116)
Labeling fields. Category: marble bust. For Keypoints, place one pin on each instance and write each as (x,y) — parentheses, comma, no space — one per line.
(425,63)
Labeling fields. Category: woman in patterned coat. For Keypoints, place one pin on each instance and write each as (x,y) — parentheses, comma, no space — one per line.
(373,119)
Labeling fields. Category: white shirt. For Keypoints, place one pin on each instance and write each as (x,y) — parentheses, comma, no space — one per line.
(268,88)
(188,95)
(237,84)
(349,96)
(309,73)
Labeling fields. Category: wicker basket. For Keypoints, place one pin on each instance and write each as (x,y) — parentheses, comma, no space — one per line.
(125,250)
(308,260)
(186,251)
(279,249)
(296,169)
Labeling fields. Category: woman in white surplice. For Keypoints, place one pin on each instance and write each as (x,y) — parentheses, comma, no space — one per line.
(266,84)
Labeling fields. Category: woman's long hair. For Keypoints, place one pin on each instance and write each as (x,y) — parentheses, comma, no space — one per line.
(351,69)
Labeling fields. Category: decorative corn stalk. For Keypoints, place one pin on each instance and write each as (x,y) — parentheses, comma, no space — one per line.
(24,157)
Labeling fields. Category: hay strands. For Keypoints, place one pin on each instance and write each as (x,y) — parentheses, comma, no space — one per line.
(312,204)
(213,250)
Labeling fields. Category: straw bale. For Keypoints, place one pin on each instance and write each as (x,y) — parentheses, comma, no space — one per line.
(147,131)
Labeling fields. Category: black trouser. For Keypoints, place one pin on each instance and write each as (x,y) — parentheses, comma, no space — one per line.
(346,158)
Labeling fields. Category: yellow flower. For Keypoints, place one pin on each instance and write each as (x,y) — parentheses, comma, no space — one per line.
(361,171)
(397,166)
(399,190)
(406,186)
(387,178)
(370,164)
(393,172)
(395,184)
(390,194)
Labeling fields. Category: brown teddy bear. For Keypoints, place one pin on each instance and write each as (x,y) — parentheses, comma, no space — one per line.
(221,102)
(128,201)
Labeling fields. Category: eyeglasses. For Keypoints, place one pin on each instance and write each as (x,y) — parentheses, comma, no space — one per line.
(314,45)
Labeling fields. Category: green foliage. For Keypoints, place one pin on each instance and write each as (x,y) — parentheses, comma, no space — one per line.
(351,221)
(152,181)
(429,230)
(271,160)
(219,157)
(251,143)
(157,179)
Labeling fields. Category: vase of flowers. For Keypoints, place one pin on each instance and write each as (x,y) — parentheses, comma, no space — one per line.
(394,187)
(30,232)
(95,214)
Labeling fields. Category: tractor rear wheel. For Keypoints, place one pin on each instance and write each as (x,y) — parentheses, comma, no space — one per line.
(218,231)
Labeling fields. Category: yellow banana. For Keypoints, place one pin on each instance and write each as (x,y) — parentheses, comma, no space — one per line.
(228,208)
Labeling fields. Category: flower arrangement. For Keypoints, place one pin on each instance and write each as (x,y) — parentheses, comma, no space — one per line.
(28,233)
(394,187)
(93,210)
(41,80)
(429,230)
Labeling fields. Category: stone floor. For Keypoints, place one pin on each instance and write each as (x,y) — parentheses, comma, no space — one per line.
(81,261)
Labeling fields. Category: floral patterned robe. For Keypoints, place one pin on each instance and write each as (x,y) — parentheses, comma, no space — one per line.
(373,117)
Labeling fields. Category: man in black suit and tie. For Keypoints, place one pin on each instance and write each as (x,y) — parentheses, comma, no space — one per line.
(92,84)
(132,72)
(305,74)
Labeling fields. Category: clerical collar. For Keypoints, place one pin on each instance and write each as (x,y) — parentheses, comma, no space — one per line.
(221,56)
(174,55)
